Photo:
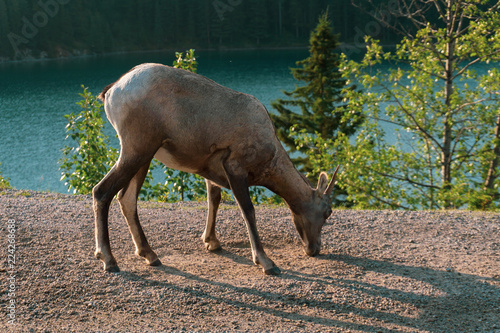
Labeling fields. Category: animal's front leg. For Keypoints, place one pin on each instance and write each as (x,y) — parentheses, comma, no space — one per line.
(239,186)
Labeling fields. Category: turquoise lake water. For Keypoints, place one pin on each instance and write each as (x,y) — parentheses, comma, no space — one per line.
(34,96)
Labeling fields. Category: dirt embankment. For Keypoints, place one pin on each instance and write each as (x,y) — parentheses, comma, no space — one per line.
(379,271)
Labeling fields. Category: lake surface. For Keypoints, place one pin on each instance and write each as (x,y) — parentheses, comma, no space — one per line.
(34,96)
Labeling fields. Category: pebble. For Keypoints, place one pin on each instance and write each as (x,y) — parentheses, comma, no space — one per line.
(228,290)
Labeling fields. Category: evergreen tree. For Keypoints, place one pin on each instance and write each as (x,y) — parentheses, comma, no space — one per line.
(442,148)
(128,25)
(258,21)
(5,46)
(160,23)
(316,107)
(296,15)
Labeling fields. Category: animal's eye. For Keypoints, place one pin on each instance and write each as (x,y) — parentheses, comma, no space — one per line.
(328,213)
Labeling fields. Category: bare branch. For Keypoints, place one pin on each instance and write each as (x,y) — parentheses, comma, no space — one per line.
(409,114)
(385,120)
(452,19)
(441,77)
(461,107)
(438,9)
(397,27)
(460,72)
(406,179)
(457,139)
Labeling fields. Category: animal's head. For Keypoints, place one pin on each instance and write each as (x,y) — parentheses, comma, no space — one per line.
(309,222)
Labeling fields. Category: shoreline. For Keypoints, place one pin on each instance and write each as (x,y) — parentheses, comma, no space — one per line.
(81,54)
(347,48)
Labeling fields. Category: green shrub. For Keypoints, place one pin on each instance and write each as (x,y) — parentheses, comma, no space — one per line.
(84,164)
(4,183)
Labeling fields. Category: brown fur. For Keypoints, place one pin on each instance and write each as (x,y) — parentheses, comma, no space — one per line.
(193,124)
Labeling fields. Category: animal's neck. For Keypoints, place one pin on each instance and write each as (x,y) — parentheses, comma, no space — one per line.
(289,184)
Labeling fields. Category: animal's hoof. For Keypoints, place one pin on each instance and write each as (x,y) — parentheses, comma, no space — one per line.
(156,262)
(148,255)
(213,246)
(272,271)
(112,269)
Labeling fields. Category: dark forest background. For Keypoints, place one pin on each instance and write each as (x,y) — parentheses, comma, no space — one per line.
(53,28)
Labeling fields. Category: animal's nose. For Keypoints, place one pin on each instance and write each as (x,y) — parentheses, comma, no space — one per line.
(312,249)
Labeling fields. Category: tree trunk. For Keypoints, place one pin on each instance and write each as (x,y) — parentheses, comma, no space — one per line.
(489,184)
(446,152)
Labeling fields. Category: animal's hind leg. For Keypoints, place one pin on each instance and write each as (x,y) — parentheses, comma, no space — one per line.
(213,198)
(127,197)
(103,194)
(117,178)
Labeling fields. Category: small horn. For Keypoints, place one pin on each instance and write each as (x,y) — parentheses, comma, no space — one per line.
(329,189)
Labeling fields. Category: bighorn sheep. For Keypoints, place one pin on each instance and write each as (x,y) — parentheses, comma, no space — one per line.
(193,124)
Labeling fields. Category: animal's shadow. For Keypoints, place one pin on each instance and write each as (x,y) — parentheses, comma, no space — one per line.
(453,307)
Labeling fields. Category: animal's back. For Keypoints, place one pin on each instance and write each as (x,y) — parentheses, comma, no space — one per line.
(193,116)
(187,101)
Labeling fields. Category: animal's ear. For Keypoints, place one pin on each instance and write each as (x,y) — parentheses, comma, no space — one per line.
(322,183)
(329,190)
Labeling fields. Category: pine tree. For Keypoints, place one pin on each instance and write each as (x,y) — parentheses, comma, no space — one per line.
(315,107)
(5,46)
(258,21)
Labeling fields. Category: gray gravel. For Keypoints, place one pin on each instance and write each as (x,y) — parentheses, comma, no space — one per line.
(379,271)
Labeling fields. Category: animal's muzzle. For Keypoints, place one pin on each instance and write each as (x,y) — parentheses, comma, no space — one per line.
(312,249)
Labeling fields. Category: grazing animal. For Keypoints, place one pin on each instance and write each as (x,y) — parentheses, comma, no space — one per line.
(192,124)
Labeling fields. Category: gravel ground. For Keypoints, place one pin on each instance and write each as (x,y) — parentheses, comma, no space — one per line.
(379,271)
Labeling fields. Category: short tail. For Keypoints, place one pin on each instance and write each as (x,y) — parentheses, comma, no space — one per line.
(102,95)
